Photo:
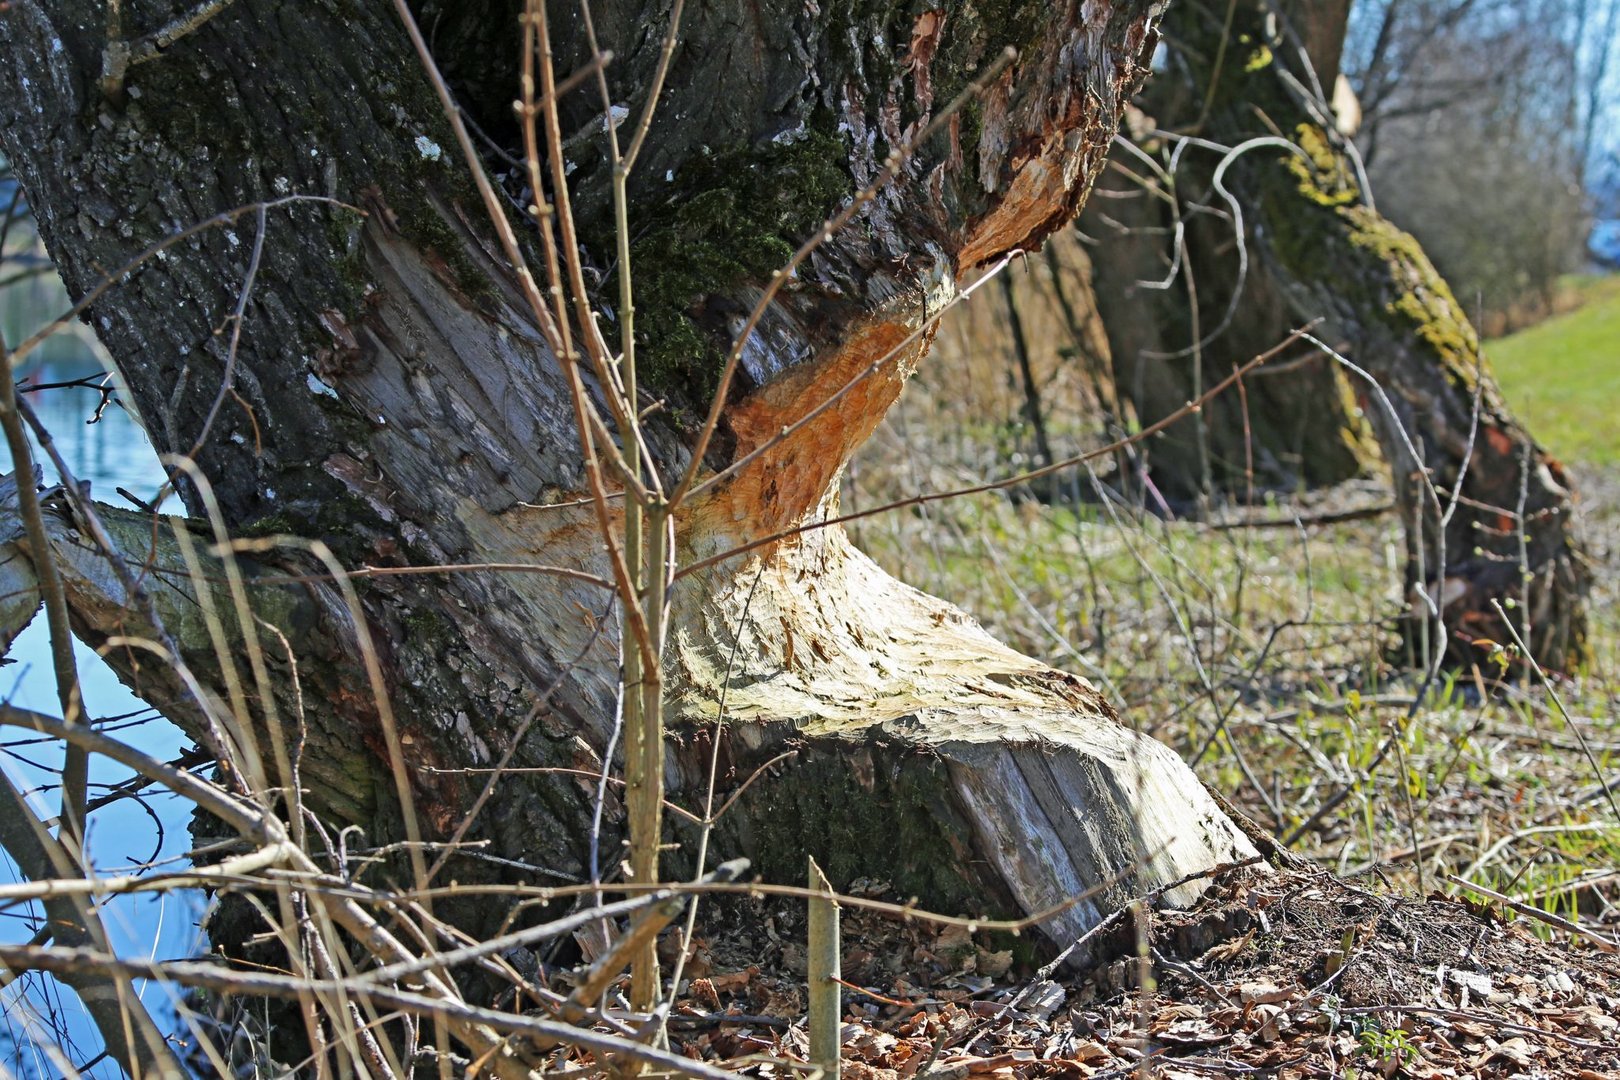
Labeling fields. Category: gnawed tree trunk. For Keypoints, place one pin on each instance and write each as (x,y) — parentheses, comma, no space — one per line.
(1319,249)
(392,398)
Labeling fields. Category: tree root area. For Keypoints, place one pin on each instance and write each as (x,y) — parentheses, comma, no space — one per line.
(1293,974)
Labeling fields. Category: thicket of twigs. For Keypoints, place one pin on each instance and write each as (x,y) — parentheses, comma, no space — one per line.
(363,964)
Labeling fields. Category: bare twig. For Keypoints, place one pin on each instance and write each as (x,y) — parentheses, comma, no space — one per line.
(75,767)
(1558,703)
(825,969)
(1603,944)
(465,1018)
(152,45)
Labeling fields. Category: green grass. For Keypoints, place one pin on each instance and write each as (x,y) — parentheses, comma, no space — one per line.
(1562,376)
(1278,642)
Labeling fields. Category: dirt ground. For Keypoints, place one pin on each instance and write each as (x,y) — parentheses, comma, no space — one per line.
(1286,974)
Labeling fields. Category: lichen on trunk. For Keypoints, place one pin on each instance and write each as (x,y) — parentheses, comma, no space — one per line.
(1319,250)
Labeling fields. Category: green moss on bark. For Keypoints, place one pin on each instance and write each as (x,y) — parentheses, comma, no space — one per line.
(1377,269)
(731,218)
(1369,266)
(1325,177)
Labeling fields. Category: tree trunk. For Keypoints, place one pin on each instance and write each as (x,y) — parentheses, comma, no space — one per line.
(391,397)
(1296,424)
(1502,528)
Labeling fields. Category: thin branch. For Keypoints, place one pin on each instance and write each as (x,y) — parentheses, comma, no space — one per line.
(126,1029)
(665,53)
(208,877)
(228,379)
(552,328)
(75,766)
(226,980)
(364,572)
(1602,943)
(152,45)
(1558,703)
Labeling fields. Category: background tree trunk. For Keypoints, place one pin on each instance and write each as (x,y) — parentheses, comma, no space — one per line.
(1317,248)
(391,398)
(1163,310)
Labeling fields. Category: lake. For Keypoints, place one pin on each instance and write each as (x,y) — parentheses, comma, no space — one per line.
(109,453)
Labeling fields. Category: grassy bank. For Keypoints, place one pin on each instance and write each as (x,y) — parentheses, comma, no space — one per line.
(1562,376)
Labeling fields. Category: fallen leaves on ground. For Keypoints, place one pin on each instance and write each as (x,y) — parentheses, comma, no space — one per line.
(1288,975)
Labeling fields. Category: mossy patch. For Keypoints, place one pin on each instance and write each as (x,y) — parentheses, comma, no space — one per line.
(731,218)
(1325,177)
(1423,300)
(349,264)
(425,227)
(1369,264)
(976,37)
(1365,264)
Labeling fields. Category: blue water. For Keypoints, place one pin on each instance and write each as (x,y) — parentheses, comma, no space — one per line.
(112,452)
(1604,243)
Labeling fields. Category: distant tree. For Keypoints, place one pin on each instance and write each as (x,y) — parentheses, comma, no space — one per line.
(1518,90)
(1489,515)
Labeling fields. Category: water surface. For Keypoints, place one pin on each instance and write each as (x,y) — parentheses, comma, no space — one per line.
(110,453)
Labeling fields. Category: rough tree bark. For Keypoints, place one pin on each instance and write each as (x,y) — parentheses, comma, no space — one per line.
(1296,426)
(1319,249)
(1163,283)
(391,398)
